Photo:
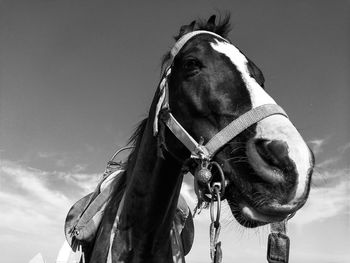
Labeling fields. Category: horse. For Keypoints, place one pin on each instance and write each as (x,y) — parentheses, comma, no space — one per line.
(212,114)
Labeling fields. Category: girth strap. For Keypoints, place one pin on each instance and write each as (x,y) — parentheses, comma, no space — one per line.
(244,121)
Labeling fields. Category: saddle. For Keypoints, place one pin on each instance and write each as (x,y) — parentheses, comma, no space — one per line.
(84,218)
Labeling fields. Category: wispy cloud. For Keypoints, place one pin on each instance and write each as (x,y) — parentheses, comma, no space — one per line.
(325,203)
(45,155)
(316,145)
(66,161)
(344,148)
(330,190)
(34,203)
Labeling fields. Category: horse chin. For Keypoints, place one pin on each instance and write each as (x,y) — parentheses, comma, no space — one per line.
(251,217)
(251,213)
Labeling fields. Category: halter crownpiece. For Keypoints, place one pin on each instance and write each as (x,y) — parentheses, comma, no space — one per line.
(184,39)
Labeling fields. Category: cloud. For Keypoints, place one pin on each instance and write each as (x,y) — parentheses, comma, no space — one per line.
(34,204)
(330,190)
(329,196)
(316,145)
(45,155)
(330,177)
(325,203)
(344,148)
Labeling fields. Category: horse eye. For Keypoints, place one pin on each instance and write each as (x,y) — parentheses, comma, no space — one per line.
(191,65)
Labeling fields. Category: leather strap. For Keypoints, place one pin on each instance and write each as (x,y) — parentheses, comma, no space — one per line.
(208,150)
(240,124)
(194,147)
(278,243)
(183,40)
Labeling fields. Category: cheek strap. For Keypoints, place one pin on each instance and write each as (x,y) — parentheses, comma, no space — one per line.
(163,101)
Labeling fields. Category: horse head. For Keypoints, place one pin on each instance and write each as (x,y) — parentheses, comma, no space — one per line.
(267,167)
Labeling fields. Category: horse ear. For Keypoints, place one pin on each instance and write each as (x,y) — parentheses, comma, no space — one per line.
(211,22)
(191,26)
(187,28)
(256,73)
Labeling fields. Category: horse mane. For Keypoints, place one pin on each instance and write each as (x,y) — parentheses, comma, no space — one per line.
(119,186)
(135,140)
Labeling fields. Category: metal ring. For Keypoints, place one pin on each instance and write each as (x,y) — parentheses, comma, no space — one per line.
(222,177)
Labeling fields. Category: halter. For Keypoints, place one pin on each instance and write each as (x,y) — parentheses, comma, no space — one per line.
(198,150)
(278,244)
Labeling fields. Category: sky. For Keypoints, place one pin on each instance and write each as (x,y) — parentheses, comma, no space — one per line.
(76,77)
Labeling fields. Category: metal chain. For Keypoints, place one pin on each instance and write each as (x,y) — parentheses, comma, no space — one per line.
(216,190)
(215,227)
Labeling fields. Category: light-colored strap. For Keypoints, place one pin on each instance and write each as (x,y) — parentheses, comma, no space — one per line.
(109,179)
(240,124)
(185,137)
(225,135)
(99,202)
(163,101)
(183,40)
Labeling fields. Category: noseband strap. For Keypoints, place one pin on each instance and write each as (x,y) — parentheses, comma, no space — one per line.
(240,124)
(237,126)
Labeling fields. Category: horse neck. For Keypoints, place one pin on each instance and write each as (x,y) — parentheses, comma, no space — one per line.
(151,198)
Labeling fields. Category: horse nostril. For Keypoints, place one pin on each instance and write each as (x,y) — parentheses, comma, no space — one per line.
(274,153)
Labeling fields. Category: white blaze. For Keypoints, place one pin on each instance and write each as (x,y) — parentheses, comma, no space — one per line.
(275,127)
